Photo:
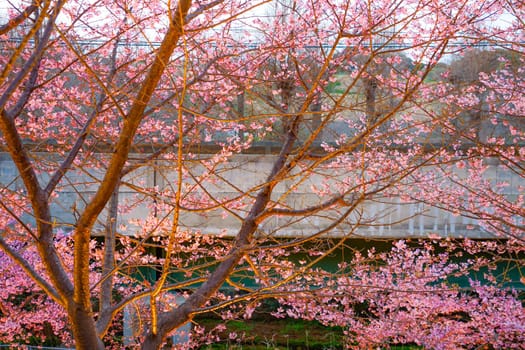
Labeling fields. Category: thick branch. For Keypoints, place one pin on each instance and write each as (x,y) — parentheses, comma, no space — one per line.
(39,204)
(13,22)
(109,259)
(170,320)
(120,156)
(28,89)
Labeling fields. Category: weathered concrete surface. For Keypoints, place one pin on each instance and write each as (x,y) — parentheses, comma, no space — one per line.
(384,218)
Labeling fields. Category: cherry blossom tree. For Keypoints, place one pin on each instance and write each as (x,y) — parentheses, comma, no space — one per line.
(138,123)
(409,298)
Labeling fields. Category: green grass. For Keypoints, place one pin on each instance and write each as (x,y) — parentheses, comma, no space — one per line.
(287,334)
(240,326)
(276,334)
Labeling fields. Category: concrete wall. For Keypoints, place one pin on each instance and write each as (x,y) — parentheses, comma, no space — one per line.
(386,218)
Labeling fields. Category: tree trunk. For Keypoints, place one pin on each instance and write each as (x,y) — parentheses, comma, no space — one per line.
(84,330)
(106,287)
(370,95)
(152,342)
(315,108)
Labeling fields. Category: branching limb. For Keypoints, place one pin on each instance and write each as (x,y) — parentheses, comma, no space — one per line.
(33,60)
(39,203)
(21,17)
(66,164)
(30,271)
(338,200)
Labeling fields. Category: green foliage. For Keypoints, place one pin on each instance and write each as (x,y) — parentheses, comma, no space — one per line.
(240,326)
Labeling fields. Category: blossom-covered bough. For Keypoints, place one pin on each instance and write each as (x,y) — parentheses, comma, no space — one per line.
(235,145)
